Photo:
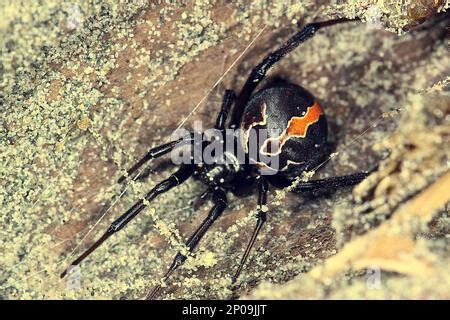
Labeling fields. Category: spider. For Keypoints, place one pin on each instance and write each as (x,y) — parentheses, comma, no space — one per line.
(286,108)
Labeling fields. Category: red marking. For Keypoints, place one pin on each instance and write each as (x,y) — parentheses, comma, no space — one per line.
(296,127)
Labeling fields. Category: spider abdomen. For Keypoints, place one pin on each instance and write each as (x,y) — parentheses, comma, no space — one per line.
(284,129)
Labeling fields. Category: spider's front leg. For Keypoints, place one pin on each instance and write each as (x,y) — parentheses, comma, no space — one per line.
(220,200)
(174,180)
(157,152)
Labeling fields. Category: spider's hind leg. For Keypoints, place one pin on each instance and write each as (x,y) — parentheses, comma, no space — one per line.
(259,72)
(228,100)
(333,182)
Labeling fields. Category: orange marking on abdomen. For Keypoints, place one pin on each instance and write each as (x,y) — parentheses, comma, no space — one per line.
(296,127)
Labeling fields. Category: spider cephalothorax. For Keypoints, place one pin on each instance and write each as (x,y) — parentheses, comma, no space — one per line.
(295,134)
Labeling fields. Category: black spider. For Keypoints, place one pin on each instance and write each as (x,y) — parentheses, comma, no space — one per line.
(285,108)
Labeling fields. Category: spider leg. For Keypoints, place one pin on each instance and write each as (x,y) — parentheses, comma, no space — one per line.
(174,180)
(220,200)
(331,183)
(228,100)
(263,187)
(201,199)
(154,153)
(259,72)
(160,167)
